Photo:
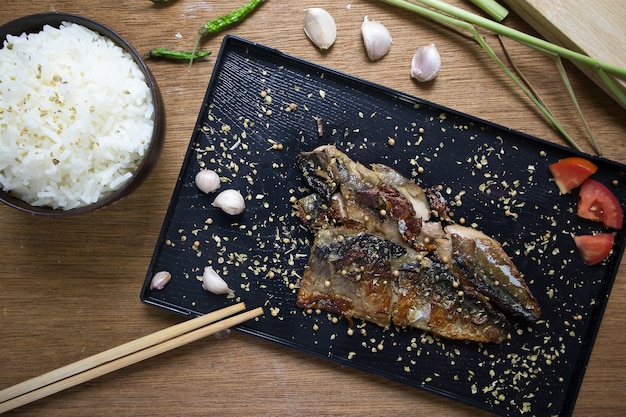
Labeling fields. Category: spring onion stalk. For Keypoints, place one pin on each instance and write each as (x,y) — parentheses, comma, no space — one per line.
(570,90)
(492,8)
(523,38)
(529,93)
(450,21)
(456,18)
(568,86)
(517,70)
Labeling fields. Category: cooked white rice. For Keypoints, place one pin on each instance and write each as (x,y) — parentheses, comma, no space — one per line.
(76,116)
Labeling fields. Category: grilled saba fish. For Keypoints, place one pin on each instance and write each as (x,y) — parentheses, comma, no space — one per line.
(383,253)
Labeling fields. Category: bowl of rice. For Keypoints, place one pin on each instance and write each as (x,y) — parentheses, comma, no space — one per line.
(81,116)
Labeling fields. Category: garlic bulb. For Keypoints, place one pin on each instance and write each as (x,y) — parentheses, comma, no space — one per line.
(212,282)
(426,63)
(207,181)
(230,201)
(320,27)
(376,38)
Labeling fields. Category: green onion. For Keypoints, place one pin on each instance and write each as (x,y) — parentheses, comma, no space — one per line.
(457,18)
(441,7)
(492,8)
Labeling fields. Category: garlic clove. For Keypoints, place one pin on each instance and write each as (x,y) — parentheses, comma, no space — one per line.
(376,38)
(320,27)
(160,280)
(230,201)
(426,63)
(222,334)
(212,282)
(207,181)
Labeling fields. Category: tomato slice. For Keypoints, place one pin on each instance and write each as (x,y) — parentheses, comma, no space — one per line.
(596,202)
(569,173)
(594,248)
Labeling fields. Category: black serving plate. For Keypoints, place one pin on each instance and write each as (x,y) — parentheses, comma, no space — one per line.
(503,185)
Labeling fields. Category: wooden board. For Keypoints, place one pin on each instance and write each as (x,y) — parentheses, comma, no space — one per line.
(596,28)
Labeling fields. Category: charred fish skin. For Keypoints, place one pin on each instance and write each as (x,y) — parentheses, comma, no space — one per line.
(430,299)
(481,263)
(320,170)
(328,170)
(381,190)
(316,214)
(387,200)
(364,276)
(349,276)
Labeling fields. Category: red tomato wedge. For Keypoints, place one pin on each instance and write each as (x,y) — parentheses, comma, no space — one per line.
(596,202)
(594,248)
(569,173)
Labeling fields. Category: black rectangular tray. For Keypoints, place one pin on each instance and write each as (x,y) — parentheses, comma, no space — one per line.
(503,185)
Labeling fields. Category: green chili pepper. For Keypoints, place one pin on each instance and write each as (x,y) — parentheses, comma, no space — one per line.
(221,23)
(175,54)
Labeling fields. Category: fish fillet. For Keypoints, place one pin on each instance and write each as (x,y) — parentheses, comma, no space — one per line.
(385,251)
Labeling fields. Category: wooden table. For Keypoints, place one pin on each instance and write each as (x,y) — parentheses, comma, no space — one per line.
(69,288)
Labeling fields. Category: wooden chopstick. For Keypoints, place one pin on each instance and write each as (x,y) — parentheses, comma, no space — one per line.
(119,357)
(117,352)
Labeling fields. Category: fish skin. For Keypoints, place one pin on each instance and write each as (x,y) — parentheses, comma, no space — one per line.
(357,274)
(351,196)
(483,264)
(330,172)
(377,280)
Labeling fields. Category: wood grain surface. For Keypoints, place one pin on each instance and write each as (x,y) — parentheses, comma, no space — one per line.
(69,288)
(598,31)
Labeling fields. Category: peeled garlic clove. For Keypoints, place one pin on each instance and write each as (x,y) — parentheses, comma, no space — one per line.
(212,282)
(230,201)
(320,27)
(207,181)
(160,280)
(376,38)
(426,63)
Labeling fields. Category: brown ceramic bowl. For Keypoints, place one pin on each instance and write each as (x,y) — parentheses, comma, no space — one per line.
(34,24)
